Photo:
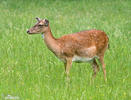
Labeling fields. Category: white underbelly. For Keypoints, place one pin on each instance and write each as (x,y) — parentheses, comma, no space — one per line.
(81,59)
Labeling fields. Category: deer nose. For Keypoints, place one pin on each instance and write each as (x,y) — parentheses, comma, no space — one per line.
(28,31)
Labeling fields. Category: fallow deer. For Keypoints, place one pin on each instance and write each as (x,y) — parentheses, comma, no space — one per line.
(82,46)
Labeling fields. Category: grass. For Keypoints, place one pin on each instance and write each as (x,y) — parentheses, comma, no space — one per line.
(28,70)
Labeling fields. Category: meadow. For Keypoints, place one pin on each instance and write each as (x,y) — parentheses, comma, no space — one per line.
(29,71)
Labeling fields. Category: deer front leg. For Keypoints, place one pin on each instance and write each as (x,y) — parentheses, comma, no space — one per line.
(68,65)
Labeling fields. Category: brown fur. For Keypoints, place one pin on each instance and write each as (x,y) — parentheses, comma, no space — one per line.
(85,44)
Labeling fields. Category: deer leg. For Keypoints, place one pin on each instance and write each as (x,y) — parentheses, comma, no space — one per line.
(95,68)
(101,59)
(68,65)
(65,65)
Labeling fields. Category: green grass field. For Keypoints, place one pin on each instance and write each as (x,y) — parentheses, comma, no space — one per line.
(29,71)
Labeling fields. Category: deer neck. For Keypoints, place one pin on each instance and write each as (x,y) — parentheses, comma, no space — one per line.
(50,41)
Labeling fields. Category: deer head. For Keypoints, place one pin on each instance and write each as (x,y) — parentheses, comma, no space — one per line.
(40,27)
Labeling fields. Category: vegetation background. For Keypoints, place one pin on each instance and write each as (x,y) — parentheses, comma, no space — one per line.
(28,70)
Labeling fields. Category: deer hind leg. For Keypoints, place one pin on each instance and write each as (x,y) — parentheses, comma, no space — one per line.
(101,59)
(95,68)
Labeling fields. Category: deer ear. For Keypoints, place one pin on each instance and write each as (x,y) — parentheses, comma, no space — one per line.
(46,22)
(38,19)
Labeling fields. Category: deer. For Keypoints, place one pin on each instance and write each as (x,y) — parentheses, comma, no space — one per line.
(83,46)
